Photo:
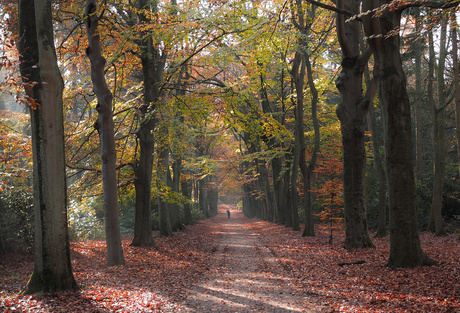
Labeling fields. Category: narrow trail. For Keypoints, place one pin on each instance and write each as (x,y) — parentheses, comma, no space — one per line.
(244,275)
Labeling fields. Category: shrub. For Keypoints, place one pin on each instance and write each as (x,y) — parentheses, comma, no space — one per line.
(84,223)
(197,213)
(16,219)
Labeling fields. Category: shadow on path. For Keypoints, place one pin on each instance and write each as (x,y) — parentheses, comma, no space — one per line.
(244,276)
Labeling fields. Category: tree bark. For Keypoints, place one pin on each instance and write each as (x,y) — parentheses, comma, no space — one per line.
(438,115)
(187,207)
(153,63)
(213,196)
(456,82)
(419,140)
(351,112)
(380,170)
(105,128)
(278,189)
(163,205)
(379,167)
(52,265)
(405,248)
(270,197)
(203,199)
(265,188)
(287,212)
(174,184)
(301,67)
(298,76)
(142,184)
(307,171)
(277,162)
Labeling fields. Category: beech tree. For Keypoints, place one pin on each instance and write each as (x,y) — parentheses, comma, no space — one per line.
(105,128)
(52,266)
(438,116)
(380,171)
(152,72)
(352,111)
(302,68)
(455,74)
(405,248)
(419,150)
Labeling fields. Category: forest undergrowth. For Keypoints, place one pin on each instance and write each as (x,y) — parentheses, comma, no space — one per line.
(156,278)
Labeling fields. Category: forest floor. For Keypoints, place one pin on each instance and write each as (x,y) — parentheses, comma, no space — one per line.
(243,265)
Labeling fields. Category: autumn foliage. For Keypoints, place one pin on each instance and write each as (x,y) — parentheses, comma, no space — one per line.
(330,192)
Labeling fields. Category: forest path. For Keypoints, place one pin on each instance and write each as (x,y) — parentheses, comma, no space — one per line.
(244,275)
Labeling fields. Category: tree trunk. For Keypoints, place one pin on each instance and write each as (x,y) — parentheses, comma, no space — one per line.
(247,209)
(163,205)
(142,185)
(203,196)
(300,64)
(105,128)
(52,266)
(438,115)
(187,207)
(456,83)
(270,197)
(152,73)
(379,167)
(265,186)
(298,77)
(277,163)
(278,189)
(287,212)
(405,248)
(174,184)
(419,140)
(352,111)
(307,171)
(213,196)
(380,170)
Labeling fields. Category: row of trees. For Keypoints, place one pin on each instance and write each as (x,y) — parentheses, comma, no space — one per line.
(197,98)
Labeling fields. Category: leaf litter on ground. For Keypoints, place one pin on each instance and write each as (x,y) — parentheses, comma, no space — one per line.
(156,279)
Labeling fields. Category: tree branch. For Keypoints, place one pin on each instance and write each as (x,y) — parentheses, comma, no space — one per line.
(370,94)
(342,37)
(333,8)
(364,57)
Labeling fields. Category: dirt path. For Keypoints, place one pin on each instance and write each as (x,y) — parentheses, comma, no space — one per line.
(244,276)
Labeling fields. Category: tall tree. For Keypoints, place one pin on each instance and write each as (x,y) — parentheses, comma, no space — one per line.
(352,111)
(298,77)
(438,116)
(405,248)
(153,61)
(52,266)
(456,82)
(419,146)
(105,128)
(303,20)
(380,171)
(162,181)
(270,202)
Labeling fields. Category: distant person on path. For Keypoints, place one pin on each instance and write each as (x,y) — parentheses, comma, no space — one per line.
(228,213)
